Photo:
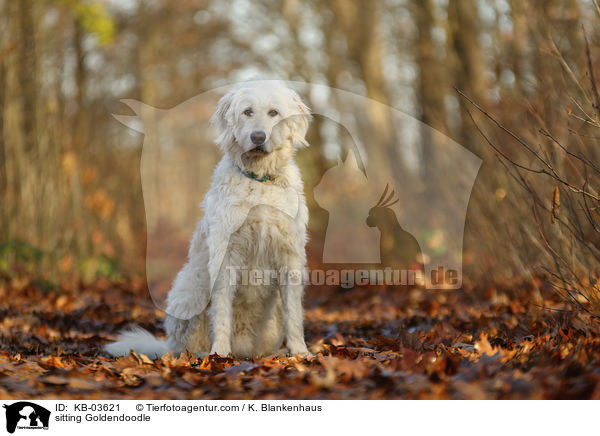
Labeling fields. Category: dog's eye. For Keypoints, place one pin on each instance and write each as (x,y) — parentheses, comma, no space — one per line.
(248,112)
(273,113)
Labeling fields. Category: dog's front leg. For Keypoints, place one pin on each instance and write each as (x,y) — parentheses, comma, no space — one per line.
(221,318)
(221,312)
(221,315)
(292,291)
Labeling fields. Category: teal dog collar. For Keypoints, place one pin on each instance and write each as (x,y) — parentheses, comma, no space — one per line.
(253,176)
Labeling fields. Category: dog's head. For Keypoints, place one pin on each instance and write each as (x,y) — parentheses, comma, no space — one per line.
(259,118)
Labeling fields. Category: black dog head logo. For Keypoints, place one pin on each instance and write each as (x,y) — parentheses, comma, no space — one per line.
(26,414)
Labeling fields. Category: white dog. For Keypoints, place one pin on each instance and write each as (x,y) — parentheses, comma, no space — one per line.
(253,229)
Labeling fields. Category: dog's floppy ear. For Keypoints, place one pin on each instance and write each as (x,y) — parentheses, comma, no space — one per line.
(221,120)
(299,121)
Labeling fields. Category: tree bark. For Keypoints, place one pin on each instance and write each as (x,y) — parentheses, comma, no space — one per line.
(465,28)
(3,174)
(27,74)
(431,86)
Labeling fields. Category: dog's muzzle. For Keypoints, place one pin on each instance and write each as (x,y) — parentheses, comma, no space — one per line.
(258,137)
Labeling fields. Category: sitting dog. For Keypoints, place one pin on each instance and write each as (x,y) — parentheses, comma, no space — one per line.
(254,224)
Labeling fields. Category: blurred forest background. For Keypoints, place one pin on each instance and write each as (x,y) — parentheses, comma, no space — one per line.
(69,173)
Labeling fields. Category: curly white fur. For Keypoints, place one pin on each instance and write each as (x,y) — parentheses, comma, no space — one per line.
(247,224)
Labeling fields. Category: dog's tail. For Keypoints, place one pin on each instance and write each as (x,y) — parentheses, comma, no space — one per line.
(141,341)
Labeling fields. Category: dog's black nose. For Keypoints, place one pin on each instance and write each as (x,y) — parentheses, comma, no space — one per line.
(258,137)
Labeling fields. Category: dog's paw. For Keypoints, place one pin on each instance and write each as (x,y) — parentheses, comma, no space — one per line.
(299,350)
(221,350)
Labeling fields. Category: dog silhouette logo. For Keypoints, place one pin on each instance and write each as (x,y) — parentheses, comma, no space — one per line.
(432,177)
(26,415)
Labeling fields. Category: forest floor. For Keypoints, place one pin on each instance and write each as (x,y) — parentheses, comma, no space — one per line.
(367,344)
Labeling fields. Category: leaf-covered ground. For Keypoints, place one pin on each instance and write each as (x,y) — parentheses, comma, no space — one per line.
(367,344)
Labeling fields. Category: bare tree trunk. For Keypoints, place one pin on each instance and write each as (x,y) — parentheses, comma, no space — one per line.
(431,87)
(3,175)
(463,19)
(79,130)
(370,57)
(362,29)
(518,46)
(27,74)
